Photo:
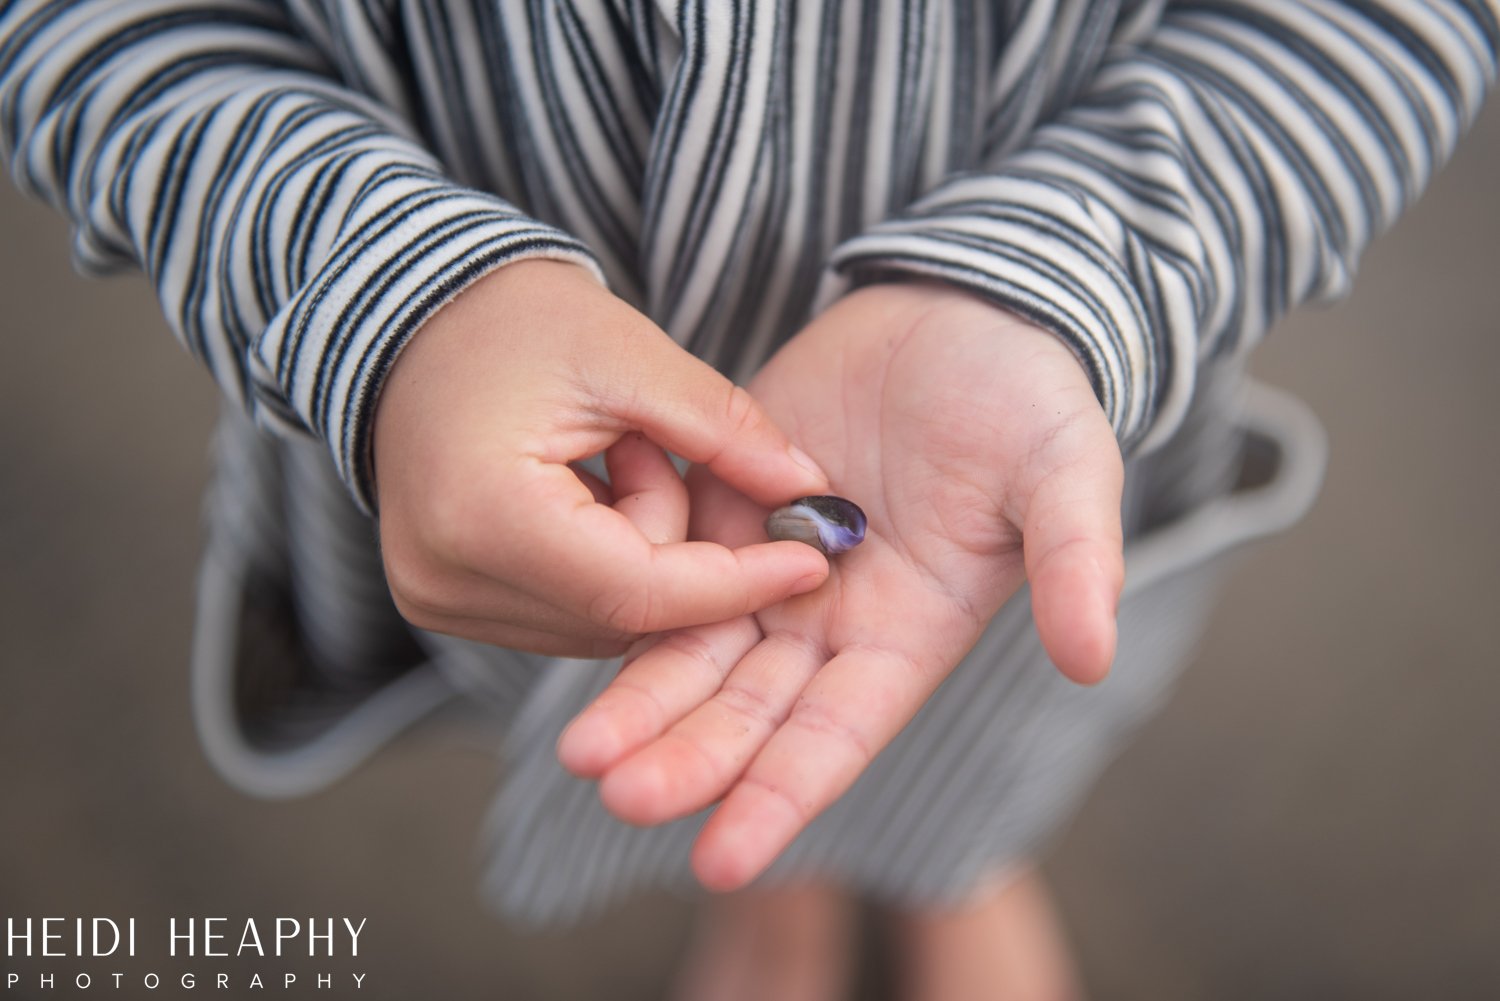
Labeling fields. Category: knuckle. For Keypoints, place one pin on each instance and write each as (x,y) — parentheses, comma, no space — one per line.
(628,612)
(817,718)
(626,689)
(413,585)
(741,413)
(752,705)
(693,649)
(445,524)
(419,583)
(804,809)
(606,649)
(414,592)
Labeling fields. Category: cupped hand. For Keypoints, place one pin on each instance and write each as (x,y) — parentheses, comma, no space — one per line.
(977,449)
(488,529)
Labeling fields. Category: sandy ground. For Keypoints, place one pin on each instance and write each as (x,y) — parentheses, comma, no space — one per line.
(1315,815)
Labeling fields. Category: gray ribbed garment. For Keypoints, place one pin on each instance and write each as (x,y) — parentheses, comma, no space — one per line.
(982,776)
(306,181)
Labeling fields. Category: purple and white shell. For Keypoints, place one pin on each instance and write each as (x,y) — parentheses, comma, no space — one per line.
(831,525)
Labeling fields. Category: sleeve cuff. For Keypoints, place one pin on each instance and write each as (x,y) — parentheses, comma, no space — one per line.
(1036,248)
(321,362)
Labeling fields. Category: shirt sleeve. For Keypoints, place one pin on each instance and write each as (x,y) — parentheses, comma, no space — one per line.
(1230,165)
(296,231)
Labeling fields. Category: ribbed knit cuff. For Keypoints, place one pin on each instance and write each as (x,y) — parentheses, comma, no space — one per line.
(326,354)
(1038,249)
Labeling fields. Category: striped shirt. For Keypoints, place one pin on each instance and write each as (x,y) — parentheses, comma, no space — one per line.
(306,181)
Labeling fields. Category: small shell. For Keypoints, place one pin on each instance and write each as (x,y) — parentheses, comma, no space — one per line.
(831,525)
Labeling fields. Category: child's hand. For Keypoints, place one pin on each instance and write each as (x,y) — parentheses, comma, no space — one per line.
(488,533)
(976,447)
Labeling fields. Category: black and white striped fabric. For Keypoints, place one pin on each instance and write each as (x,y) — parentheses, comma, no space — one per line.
(306,181)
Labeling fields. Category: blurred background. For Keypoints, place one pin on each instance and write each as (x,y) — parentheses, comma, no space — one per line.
(1315,815)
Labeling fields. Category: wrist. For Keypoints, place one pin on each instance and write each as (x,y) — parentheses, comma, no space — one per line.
(426,374)
(962,308)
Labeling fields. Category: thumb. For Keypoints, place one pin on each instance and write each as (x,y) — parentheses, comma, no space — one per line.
(696,412)
(1075,563)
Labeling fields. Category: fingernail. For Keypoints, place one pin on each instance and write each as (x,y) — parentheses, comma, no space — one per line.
(804,460)
(811,582)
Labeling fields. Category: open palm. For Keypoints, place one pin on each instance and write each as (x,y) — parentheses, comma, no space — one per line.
(975,445)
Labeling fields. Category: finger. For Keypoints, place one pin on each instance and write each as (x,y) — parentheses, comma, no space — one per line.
(722,514)
(693,583)
(589,559)
(703,417)
(648,489)
(699,758)
(451,600)
(579,644)
(597,487)
(1076,565)
(620,580)
(854,707)
(680,671)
